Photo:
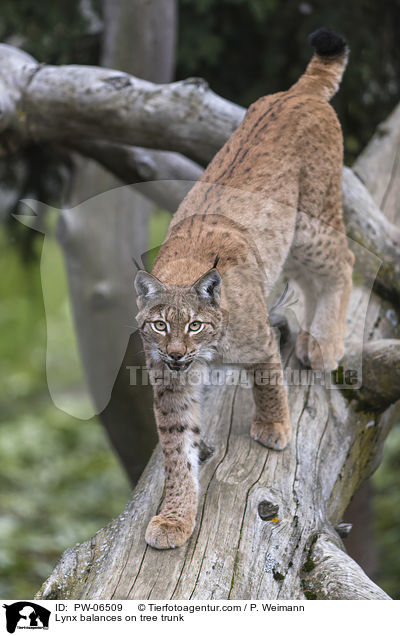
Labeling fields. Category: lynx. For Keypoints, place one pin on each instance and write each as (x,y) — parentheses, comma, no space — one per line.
(269,200)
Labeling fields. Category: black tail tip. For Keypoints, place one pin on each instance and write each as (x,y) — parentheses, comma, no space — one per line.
(327,42)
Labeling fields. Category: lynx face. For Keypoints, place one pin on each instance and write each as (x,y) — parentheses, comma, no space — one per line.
(179,324)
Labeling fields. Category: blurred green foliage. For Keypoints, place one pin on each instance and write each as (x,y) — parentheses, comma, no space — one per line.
(52,32)
(59,480)
(386,515)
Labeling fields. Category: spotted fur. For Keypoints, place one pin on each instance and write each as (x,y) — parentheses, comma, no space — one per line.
(270,199)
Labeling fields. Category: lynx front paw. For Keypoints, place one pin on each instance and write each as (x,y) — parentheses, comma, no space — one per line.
(163,534)
(273,435)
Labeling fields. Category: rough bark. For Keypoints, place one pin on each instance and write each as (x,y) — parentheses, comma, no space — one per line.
(237,550)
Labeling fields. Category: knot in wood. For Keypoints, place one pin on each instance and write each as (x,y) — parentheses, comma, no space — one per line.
(199,82)
(118,82)
(267,510)
(343,529)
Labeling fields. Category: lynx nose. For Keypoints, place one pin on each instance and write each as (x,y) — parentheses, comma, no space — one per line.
(175,355)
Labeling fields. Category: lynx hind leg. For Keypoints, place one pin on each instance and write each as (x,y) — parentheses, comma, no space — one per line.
(323,270)
(319,344)
(326,347)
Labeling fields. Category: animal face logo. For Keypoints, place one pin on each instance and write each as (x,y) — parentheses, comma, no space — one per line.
(26,615)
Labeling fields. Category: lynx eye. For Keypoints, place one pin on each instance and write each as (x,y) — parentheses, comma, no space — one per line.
(159,325)
(196,326)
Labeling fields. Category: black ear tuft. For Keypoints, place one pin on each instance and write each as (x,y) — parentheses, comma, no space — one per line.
(208,286)
(327,42)
(147,285)
(136,263)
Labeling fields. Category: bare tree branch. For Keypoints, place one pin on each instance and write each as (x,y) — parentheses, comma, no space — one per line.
(168,175)
(380,374)
(48,103)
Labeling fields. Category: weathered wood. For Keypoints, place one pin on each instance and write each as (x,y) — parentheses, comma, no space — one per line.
(234,553)
(376,167)
(330,574)
(368,227)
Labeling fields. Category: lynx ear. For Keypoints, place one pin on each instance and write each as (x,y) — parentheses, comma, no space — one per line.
(208,286)
(147,285)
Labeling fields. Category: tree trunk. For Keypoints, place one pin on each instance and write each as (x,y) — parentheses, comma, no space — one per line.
(98,245)
(140,37)
(268,522)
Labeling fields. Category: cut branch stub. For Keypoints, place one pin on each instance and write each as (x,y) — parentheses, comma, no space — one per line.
(331,574)
(380,374)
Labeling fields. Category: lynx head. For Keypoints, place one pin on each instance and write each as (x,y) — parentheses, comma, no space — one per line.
(179,324)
